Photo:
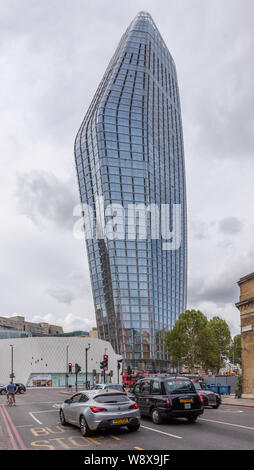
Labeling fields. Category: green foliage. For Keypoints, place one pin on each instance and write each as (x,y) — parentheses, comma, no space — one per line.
(239,384)
(222,337)
(235,350)
(196,341)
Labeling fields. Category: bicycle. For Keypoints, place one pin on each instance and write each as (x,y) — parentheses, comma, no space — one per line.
(10,400)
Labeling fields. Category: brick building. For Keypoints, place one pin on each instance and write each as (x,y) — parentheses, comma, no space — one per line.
(246,308)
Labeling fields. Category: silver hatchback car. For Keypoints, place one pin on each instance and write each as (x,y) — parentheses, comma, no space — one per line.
(94,410)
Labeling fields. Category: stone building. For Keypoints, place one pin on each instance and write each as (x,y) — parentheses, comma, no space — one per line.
(36,329)
(246,308)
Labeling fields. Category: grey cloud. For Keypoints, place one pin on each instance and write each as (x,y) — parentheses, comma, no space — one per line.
(221,288)
(220,293)
(75,286)
(43,197)
(225,112)
(230,225)
(62,294)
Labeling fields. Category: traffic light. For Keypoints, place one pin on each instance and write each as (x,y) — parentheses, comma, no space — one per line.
(77,368)
(70,367)
(105,362)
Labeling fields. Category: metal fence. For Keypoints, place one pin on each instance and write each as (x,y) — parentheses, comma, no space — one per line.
(222,380)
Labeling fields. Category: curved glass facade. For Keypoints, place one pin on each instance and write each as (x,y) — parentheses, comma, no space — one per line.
(129,149)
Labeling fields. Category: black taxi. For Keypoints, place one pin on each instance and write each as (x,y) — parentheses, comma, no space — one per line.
(167,397)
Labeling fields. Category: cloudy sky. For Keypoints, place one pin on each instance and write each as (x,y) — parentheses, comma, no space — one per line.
(53,55)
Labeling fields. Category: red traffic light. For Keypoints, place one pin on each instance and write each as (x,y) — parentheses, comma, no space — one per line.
(70,367)
(105,356)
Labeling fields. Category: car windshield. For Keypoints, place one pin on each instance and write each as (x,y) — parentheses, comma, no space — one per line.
(197,386)
(112,398)
(178,386)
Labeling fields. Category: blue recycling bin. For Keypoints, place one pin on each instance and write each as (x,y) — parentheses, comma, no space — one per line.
(214,388)
(224,389)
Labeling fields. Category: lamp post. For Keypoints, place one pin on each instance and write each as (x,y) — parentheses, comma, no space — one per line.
(11,374)
(86,361)
(119,361)
(67,362)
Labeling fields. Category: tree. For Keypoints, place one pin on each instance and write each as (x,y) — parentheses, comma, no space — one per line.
(209,351)
(222,336)
(235,350)
(183,341)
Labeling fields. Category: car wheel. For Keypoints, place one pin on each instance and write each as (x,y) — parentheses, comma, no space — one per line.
(84,429)
(21,391)
(192,419)
(133,427)
(215,406)
(62,418)
(156,417)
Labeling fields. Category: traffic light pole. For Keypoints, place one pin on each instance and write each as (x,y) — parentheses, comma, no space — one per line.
(67,366)
(86,362)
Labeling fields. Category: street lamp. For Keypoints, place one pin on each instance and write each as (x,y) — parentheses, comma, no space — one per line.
(67,362)
(119,361)
(86,361)
(12,374)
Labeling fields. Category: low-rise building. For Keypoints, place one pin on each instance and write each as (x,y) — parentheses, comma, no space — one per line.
(18,322)
(43,361)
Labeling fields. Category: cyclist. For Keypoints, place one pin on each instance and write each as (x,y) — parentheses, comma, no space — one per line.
(10,391)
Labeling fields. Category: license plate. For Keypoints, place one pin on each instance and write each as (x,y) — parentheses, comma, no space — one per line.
(186,400)
(187,406)
(120,421)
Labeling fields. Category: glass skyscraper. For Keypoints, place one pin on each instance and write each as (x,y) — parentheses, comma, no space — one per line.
(129,150)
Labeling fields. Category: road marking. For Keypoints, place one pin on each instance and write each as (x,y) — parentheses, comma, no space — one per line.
(91,439)
(228,424)
(35,419)
(45,411)
(56,405)
(115,437)
(138,448)
(13,442)
(24,426)
(161,432)
(36,412)
(14,429)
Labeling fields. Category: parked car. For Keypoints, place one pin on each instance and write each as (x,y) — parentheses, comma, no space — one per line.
(167,397)
(210,398)
(93,410)
(108,387)
(21,388)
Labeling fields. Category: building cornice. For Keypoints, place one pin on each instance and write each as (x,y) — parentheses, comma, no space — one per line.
(245,278)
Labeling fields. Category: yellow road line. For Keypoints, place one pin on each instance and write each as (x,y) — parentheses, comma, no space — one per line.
(115,437)
(138,448)
(91,439)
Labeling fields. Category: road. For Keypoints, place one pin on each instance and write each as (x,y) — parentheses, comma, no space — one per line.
(34,424)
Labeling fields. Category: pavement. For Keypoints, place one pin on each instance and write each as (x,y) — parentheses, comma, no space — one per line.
(231,400)
(33,424)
